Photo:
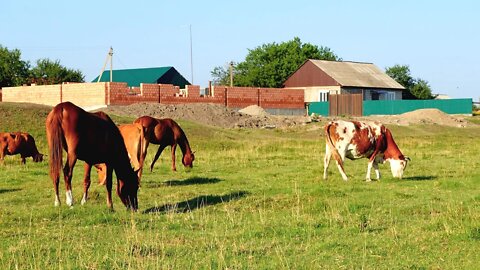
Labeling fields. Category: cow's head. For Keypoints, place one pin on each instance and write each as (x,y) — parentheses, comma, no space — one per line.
(398,166)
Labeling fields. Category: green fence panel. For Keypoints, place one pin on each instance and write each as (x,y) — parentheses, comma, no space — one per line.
(320,108)
(386,107)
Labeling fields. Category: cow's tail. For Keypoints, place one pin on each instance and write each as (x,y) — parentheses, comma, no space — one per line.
(55,140)
(330,144)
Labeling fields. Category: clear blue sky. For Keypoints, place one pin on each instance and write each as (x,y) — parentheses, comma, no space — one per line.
(439,40)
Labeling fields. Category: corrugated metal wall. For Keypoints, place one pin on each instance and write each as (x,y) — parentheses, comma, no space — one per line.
(386,107)
(389,107)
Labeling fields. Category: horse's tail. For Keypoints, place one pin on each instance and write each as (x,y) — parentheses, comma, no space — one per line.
(333,149)
(55,139)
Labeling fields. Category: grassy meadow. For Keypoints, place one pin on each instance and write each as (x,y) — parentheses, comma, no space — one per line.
(255,199)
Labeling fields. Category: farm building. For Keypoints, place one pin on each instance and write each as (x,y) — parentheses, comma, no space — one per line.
(134,77)
(319,78)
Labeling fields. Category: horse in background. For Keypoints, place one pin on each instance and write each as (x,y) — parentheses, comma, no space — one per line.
(165,132)
(136,144)
(93,139)
(13,143)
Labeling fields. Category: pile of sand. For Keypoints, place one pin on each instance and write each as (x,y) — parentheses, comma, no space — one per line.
(253,110)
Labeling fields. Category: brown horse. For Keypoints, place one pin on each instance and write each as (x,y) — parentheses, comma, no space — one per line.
(13,143)
(167,132)
(136,144)
(93,139)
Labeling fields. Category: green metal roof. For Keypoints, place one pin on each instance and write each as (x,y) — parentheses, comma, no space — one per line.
(133,77)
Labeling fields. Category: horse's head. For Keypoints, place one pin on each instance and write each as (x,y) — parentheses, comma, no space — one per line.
(127,191)
(188,159)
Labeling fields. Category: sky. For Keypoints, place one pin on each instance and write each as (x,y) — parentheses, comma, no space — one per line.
(438,40)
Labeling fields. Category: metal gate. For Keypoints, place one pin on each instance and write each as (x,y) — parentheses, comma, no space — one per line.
(346,104)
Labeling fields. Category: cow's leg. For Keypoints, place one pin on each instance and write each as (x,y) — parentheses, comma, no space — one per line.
(86,182)
(23,159)
(174,147)
(68,174)
(340,163)
(108,185)
(377,171)
(326,161)
(157,155)
(369,170)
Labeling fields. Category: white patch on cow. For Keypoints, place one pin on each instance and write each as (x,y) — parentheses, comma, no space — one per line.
(69,197)
(397,166)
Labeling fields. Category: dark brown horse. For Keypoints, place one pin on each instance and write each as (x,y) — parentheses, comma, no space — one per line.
(93,139)
(165,132)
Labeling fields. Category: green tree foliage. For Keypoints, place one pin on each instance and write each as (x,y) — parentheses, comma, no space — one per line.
(415,88)
(52,72)
(13,71)
(270,65)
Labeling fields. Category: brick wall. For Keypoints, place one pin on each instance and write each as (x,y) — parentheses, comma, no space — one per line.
(40,94)
(98,94)
(83,94)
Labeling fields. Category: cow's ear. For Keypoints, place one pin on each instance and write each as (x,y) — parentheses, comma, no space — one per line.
(13,135)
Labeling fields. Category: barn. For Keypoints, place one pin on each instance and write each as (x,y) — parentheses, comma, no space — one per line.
(319,78)
(155,75)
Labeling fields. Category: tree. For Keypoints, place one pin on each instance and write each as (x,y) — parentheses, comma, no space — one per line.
(416,88)
(269,65)
(52,72)
(13,71)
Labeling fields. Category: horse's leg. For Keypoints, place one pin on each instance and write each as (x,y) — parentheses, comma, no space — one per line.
(157,155)
(86,182)
(56,181)
(68,174)
(174,147)
(108,185)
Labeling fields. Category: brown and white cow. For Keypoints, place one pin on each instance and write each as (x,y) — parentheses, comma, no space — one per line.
(13,143)
(354,140)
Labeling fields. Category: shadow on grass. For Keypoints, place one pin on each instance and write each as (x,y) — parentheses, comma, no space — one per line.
(9,190)
(195,203)
(185,182)
(420,178)
(192,181)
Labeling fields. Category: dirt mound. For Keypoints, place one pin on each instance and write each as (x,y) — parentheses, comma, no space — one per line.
(208,114)
(423,116)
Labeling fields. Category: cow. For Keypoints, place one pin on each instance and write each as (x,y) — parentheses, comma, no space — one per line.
(354,140)
(13,143)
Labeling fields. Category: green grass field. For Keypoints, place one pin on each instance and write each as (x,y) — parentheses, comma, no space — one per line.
(255,199)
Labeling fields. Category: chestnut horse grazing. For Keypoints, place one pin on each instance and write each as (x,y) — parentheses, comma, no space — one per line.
(13,143)
(136,144)
(93,139)
(167,132)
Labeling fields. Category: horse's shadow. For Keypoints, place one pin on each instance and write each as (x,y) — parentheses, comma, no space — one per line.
(192,181)
(196,203)
(9,190)
(186,182)
(420,178)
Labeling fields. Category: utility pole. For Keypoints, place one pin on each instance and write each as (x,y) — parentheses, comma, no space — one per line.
(191,53)
(109,57)
(231,73)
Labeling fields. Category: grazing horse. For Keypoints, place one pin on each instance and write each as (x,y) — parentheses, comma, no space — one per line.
(93,139)
(167,132)
(13,143)
(136,144)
